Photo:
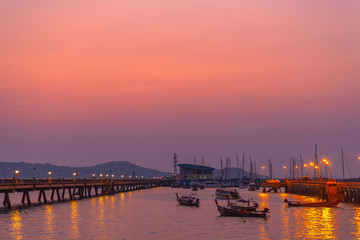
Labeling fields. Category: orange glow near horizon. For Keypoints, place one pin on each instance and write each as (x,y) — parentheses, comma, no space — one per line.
(144,75)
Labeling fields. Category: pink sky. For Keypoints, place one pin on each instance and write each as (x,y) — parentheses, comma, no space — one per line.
(86,82)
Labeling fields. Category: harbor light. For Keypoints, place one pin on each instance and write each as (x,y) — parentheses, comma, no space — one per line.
(284,172)
(16,173)
(93,174)
(49,177)
(112,176)
(311,164)
(325,160)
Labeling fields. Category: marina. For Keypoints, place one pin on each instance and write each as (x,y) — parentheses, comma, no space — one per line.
(154,213)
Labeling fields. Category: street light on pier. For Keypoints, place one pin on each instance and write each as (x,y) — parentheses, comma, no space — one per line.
(308,167)
(17,175)
(284,172)
(317,171)
(49,177)
(74,176)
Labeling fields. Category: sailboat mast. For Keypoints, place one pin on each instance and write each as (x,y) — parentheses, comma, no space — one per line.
(316,160)
(342,159)
(243,165)
(238,167)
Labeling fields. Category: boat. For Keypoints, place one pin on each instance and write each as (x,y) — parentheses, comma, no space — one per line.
(188,200)
(227,194)
(176,185)
(252,187)
(312,204)
(242,211)
(211,184)
(195,186)
(242,186)
(242,203)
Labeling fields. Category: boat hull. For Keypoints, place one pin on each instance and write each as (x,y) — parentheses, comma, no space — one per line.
(234,213)
(317,204)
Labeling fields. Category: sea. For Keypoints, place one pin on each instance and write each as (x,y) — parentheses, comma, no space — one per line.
(155,214)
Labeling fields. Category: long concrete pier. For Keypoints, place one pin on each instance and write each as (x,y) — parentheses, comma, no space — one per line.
(75,188)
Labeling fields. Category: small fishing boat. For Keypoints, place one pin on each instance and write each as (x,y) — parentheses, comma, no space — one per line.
(195,186)
(252,187)
(244,204)
(242,186)
(176,185)
(227,194)
(188,200)
(241,211)
(313,204)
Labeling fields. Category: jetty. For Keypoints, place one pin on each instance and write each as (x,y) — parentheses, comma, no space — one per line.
(325,189)
(71,189)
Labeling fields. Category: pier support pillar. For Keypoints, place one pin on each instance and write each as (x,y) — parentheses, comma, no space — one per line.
(6,202)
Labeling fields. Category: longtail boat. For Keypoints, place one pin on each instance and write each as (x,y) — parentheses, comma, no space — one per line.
(313,204)
(188,200)
(242,211)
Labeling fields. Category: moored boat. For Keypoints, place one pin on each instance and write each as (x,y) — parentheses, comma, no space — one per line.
(252,187)
(241,211)
(313,204)
(195,186)
(188,200)
(227,194)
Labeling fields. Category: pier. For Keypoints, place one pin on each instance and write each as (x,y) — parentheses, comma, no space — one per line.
(75,188)
(348,192)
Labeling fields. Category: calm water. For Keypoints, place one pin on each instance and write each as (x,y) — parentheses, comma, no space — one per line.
(154,214)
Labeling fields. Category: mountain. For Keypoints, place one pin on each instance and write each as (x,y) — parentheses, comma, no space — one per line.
(40,170)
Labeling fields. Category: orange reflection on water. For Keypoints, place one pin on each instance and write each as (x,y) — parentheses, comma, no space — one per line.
(356,222)
(285,226)
(316,223)
(16,225)
(74,219)
(263,199)
(49,214)
(101,211)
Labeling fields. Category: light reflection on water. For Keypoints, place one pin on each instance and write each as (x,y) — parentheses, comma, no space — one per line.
(16,225)
(74,219)
(154,214)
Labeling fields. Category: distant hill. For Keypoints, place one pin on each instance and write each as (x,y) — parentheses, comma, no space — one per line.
(40,170)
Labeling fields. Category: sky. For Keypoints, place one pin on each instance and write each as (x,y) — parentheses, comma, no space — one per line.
(87,82)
